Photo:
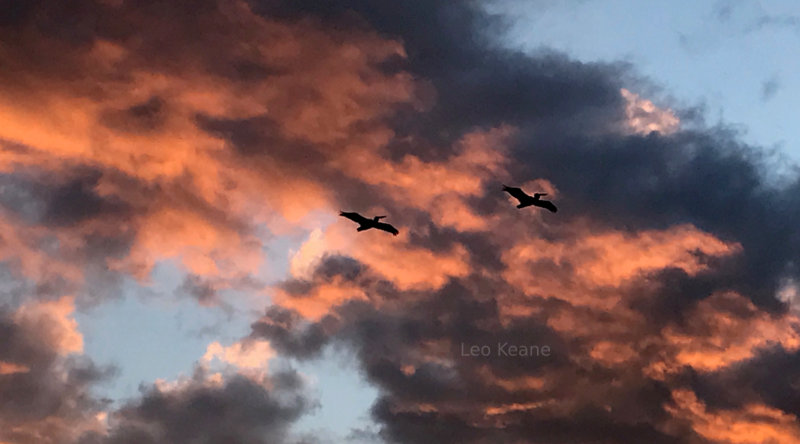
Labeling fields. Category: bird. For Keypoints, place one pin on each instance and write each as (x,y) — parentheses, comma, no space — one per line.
(526,200)
(366,224)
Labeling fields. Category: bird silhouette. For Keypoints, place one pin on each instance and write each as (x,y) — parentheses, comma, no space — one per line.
(527,201)
(366,224)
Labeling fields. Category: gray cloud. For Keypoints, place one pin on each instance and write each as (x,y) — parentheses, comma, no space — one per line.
(239,410)
(769,88)
(46,397)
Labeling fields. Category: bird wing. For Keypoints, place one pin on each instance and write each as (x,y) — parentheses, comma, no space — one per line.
(516,192)
(549,205)
(355,217)
(387,227)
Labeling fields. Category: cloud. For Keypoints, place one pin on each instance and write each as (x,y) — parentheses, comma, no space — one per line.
(228,122)
(754,424)
(769,88)
(205,409)
(644,116)
(609,259)
(306,257)
(245,355)
(178,157)
(790,22)
(48,391)
(9,368)
(45,386)
(639,277)
(53,320)
(717,337)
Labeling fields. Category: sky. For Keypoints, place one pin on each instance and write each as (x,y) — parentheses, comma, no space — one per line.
(174,269)
(730,58)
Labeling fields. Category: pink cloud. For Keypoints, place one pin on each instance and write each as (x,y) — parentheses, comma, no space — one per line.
(644,117)
(54,322)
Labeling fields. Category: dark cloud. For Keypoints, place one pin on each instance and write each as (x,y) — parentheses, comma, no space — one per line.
(769,88)
(412,348)
(453,47)
(262,136)
(239,410)
(70,205)
(46,396)
(77,28)
(144,117)
(196,287)
(569,115)
(40,200)
(770,377)
(50,396)
(290,334)
(780,21)
(77,200)
(414,353)
(705,179)
(583,426)
(722,10)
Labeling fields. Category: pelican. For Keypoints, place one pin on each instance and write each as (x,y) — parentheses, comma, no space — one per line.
(366,224)
(526,200)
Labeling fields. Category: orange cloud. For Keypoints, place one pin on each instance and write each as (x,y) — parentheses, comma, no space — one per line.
(412,267)
(606,260)
(24,248)
(9,368)
(727,328)
(321,299)
(512,384)
(514,407)
(610,353)
(451,210)
(480,156)
(408,266)
(196,199)
(753,424)
(204,248)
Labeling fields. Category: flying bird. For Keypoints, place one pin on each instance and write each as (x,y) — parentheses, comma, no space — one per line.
(526,200)
(366,224)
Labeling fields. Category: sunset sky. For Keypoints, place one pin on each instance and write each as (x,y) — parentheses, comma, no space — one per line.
(173,268)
